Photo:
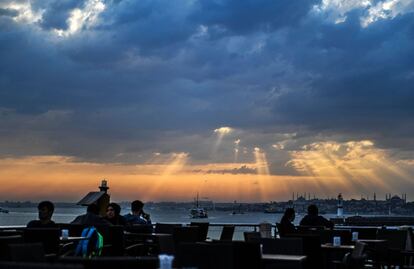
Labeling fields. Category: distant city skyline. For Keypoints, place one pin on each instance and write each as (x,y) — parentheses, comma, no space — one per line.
(237,100)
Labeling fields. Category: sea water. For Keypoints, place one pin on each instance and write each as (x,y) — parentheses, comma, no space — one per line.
(21,216)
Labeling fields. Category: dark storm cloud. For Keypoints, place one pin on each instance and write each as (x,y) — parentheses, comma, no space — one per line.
(244,169)
(243,17)
(8,12)
(163,74)
(362,80)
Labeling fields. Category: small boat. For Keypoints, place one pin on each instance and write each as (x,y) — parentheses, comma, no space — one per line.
(198,212)
(2,210)
(272,210)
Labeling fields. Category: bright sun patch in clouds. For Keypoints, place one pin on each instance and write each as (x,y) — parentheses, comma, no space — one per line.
(223,130)
(83,18)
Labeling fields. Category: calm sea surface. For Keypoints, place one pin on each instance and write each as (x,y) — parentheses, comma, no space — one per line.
(21,216)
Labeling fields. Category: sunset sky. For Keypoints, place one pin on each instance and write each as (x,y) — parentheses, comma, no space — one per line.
(247,100)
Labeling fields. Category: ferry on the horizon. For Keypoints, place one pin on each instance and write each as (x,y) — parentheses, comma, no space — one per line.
(198,212)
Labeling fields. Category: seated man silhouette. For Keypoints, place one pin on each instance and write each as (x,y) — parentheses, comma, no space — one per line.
(137,215)
(286,226)
(91,218)
(313,218)
(45,210)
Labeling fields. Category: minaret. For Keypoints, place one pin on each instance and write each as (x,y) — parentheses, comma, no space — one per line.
(104,186)
(340,208)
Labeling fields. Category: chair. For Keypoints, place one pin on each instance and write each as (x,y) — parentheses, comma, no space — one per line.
(194,255)
(165,228)
(311,248)
(139,228)
(4,245)
(27,252)
(165,244)
(280,230)
(353,260)
(202,230)
(49,237)
(187,234)
(265,230)
(396,243)
(113,237)
(246,255)
(219,255)
(227,233)
(288,246)
(359,249)
(254,237)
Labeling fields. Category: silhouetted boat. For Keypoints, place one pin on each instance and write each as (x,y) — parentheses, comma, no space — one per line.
(198,212)
(272,210)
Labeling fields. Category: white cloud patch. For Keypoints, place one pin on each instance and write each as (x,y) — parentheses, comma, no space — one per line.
(337,10)
(25,12)
(387,10)
(223,130)
(83,18)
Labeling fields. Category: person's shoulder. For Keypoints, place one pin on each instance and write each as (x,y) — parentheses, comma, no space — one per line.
(305,218)
(129,217)
(322,218)
(78,219)
(33,224)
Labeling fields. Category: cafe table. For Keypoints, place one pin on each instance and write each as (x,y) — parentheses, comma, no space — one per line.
(333,253)
(283,260)
(72,239)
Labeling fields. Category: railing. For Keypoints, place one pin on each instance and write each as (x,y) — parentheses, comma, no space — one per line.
(214,230)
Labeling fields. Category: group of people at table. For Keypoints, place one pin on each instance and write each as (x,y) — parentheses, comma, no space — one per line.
(313,218)
(138,216)
(113,215)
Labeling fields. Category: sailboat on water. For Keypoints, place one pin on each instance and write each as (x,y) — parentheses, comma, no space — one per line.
(198,212)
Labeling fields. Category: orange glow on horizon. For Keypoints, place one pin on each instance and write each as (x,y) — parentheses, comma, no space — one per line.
(326,168)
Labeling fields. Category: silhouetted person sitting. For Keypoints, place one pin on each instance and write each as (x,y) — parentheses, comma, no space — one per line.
(137,215)
(286,226)
(113,214)
(91,218)
(45,209)
(313,218)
